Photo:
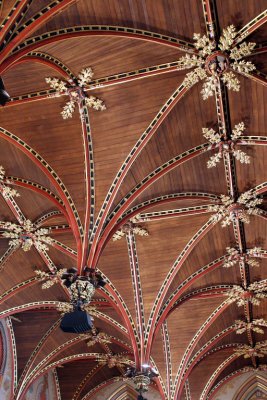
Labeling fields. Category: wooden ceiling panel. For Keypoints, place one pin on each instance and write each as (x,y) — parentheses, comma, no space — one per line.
(201,374)
(185,178)
(60,149)
(108,56)
(50,349)
(154,269)
(69,382)
(32,295)
(211,247)
(17,164)
(243,104)
(181,332)
(27,77)
(129,112)
(19,267)
(115,258)
(29,329)
(174,18)
(38,204)
(175,136)
(131,106)
(256,232)
(229,12)
(218,334)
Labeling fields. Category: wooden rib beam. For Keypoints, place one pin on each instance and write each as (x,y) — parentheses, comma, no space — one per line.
(33,24)
(204,350)
(17,11)
(215,375)
(51,215)
(186,284)
(250,27)
(49,61)
(210,19)
(89,177)
(137,289)
(223,116)
(168,198)
(168,358)
(174,213)
(33,43)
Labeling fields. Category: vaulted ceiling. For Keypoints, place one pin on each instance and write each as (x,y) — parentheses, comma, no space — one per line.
(172,215)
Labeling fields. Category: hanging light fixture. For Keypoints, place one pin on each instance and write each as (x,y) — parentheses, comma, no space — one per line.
(141,379)
(4,96)
(82,289)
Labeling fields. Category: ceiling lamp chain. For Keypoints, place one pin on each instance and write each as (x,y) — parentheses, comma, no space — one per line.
(76,90)
(214,62)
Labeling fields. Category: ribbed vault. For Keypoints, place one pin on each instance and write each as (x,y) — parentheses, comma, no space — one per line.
(171,215)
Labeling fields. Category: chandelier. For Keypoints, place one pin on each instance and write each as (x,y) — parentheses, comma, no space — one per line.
(215,62)
(80,287)
(142,378)
(76,90)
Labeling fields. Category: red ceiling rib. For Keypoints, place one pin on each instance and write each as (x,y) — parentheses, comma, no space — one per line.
(107,222)
(36,22)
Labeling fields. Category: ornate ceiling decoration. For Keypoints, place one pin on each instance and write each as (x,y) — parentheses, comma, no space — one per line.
(131,196)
